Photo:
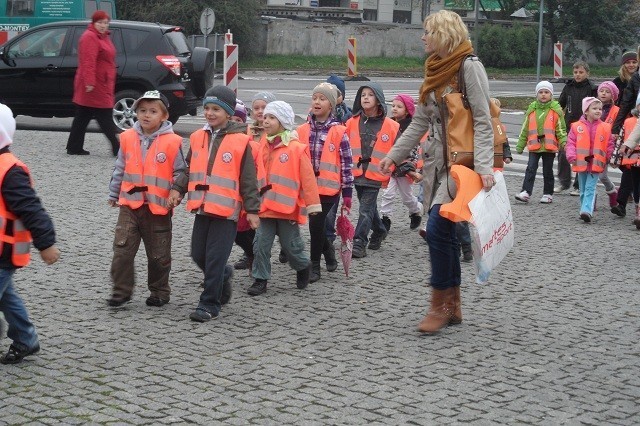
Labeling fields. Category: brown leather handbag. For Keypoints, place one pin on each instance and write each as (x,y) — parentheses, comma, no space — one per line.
(457,134)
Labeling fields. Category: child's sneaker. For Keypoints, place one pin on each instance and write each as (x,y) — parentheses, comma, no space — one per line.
(558,189)
(386,222)
(258,287)
(619,210)
(575,192)
(416,220)
(585,216)
(546,199)
(523,196)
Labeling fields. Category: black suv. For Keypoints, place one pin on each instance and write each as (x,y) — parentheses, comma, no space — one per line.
(38,66)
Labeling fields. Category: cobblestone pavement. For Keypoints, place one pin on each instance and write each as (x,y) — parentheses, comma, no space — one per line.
(551,339)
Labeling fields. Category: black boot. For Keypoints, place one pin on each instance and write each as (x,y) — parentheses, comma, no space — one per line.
(302,277)
(315,272)
(386,222)
(329,253)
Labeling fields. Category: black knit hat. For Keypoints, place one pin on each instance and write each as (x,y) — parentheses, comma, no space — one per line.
(221,96)
(629,56)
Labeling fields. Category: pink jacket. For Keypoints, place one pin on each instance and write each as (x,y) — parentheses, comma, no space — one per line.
(570,148)
(97,68)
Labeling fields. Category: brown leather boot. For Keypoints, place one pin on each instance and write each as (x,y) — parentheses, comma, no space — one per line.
(456,309)
(440,312)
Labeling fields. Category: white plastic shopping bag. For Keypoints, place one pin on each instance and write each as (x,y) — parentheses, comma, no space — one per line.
(491,228)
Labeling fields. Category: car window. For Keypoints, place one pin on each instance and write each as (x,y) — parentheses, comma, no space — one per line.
(178,43)
(132,39)
(116,38)
(46,42)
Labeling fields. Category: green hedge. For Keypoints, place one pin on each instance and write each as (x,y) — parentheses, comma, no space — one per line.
(515,47)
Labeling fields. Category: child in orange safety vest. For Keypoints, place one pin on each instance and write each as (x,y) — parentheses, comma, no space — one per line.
(544,134)
(289,192)
(630,164)
(23,219)
(149,160)
(221,183)
(608,94)
(589,147)
(371,134)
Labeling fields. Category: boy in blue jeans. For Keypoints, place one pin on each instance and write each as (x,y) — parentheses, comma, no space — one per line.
(22,219)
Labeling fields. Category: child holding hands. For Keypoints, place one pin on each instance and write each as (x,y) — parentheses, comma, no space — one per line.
(289,192)
(589,147)
(544,134)
(149,160)
(402,110)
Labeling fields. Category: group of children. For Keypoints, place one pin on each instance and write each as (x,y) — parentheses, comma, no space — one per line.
(249,183)
(588,147)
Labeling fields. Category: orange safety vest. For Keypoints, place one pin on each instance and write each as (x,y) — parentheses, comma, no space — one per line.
(583,147)
(21,238)
(386,137)
(329,176)
(149,180)
(613,113)
(534,141)
(219,192)
(279,179)
(634,158)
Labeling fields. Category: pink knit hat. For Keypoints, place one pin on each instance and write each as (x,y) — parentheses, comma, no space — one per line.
(408,103)
(586,103)
(615,92)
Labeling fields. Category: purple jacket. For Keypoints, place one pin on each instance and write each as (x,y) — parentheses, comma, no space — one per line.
(570,148)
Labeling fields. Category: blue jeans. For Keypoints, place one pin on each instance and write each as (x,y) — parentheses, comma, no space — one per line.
(368,218)
(463,234)
(587,182)
(21,329)
(211,244)
(444,251)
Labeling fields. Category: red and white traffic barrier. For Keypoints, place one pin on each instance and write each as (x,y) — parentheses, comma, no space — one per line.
(352,61)
(557,60)
(230,67)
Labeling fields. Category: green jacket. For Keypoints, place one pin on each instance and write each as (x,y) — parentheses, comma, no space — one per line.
(541,111)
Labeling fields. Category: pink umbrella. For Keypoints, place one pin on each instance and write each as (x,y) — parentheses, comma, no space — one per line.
(345,229)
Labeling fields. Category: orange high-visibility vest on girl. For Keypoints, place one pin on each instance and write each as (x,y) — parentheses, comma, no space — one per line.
(583,147)
(329,177)
(21,238)
(219,193)
(634,158)
(548,138)
(150,179)
(613,113)
(279,179)
(386,137)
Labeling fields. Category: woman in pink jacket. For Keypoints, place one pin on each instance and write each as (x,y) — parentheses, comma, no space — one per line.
(94,85)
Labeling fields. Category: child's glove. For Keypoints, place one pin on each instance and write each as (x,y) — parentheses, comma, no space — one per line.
(403,169)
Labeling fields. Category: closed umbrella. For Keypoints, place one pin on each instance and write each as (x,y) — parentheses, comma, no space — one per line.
(345,229)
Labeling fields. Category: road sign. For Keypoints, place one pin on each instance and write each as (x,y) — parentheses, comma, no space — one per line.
(207,20)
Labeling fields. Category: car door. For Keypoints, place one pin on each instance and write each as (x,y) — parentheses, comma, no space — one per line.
(70,61)
(30,69)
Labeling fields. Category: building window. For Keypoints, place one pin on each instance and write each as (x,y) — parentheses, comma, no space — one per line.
(20,7)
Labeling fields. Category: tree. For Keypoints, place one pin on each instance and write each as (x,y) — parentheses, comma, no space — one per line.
(607,30)
(240,16)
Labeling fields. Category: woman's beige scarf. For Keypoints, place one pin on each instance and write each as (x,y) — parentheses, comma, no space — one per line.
(439,73)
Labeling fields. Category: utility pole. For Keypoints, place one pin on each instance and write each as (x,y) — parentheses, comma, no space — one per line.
(540,41)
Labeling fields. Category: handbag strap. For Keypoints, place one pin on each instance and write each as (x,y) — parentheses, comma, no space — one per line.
(462,84)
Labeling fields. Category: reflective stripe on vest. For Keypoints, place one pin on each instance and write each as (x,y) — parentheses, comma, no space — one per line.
(548,129)
(583,147)
(385,139)
(613,113)
(329,176)
(219,193)
(149,179)
(279,179)
(21,238)
(632,159)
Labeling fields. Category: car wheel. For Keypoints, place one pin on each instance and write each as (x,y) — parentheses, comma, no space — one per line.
(123,115)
